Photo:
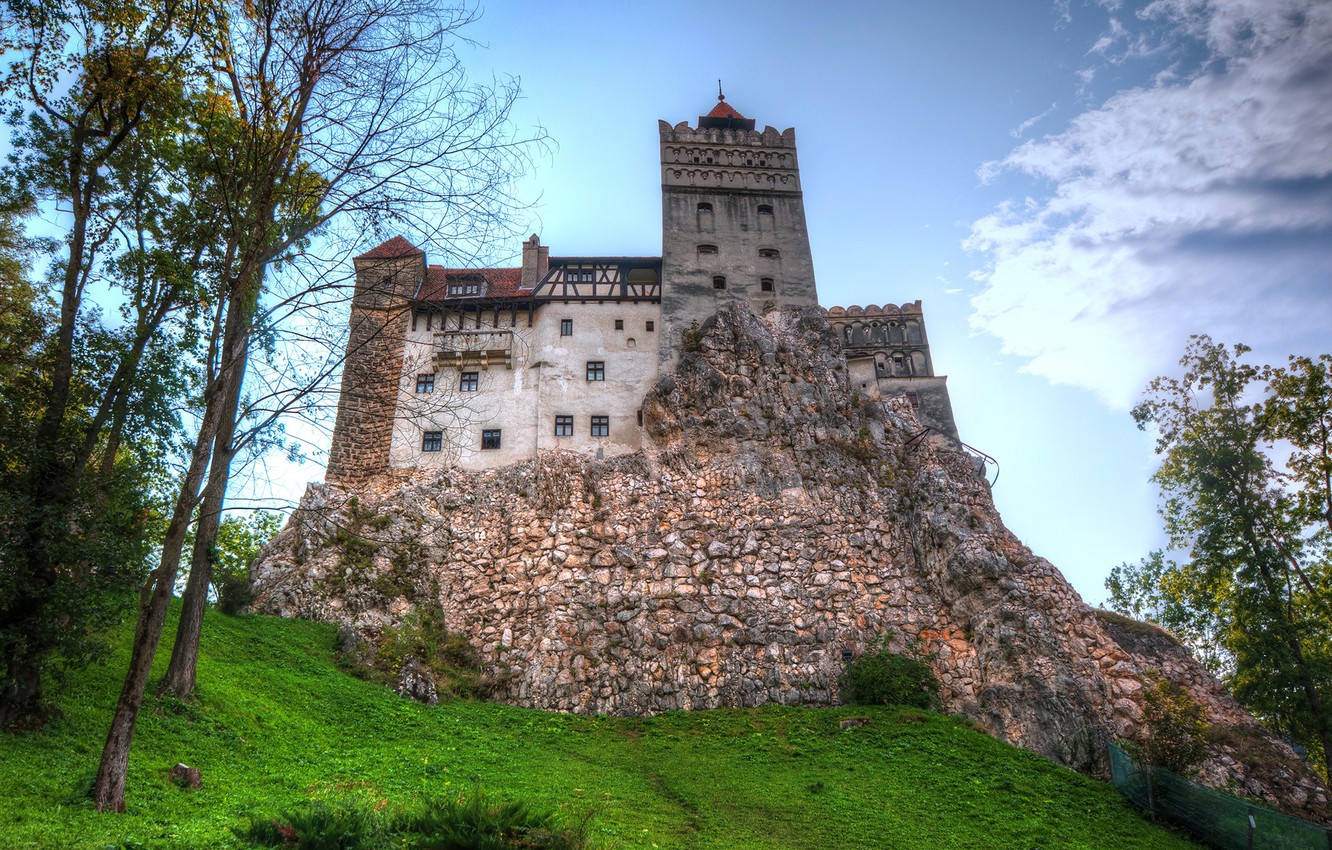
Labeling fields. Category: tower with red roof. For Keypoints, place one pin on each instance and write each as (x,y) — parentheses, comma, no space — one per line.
(733,221)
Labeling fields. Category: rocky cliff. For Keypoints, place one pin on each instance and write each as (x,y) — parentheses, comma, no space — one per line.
(776,520)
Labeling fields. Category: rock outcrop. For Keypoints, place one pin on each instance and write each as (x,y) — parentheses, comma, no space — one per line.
(776,520)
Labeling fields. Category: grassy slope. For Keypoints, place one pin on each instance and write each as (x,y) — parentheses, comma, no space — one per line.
(279,724)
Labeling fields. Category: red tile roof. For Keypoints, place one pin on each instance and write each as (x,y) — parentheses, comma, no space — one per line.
(501,283)
(724,110)
(393,249)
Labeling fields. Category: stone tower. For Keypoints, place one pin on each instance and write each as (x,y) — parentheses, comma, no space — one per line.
(386,278)
(733,221)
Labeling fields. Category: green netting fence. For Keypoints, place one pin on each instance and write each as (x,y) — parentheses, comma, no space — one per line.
(1219,819)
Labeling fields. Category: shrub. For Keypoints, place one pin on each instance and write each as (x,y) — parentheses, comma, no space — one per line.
(325,825)
(422,637)
(883,677)
(1175,725)
(476,822)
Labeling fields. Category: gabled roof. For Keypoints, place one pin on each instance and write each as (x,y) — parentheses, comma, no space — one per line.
(724,110)
(394,249)
(500,283)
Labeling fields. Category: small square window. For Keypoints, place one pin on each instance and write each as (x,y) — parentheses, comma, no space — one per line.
(490,438)
(619,324)
(601,426)
(765,284)
(718,281)
(651,325)
(596,370)
(425,383)
(564,426)
(566,327)
(432,441)
(468,381)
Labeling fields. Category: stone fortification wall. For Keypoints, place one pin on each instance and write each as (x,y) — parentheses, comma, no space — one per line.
(776,519)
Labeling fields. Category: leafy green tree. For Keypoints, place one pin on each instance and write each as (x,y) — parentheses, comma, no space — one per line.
(93,97)
(1256,585)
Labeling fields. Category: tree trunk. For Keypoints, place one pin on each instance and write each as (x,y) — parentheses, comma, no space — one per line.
(155,599)
(181,673)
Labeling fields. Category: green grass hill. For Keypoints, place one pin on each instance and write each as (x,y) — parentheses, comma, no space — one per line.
(278,727)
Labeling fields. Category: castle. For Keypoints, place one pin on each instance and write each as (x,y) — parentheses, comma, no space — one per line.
(482,368)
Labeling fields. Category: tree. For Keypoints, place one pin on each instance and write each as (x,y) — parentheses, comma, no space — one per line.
(1257,579)
(334,108)
(94,99)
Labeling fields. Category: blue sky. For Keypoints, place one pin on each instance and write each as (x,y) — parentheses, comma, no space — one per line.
(1070,187)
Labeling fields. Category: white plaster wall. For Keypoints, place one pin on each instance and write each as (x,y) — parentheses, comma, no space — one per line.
(548,378)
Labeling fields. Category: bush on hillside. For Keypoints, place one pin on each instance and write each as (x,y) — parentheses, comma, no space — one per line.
(476,822)
(1176,726)
(422,644)
(883,677)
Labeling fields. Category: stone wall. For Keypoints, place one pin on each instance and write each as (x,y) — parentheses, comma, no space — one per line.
(776,518)
(372,368)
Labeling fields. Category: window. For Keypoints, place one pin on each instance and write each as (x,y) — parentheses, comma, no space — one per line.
(640,417)
(651,325)
(914,400)
(769,252)
(462,289)
(468,381)
(564,426)
(575,274)
(566,327)
(765,284)
(718,281)
(764,209)
(596,370)
(432,441)
(703,206)
(707,249)
(619,324)
(601,426)
(490,438)
(425,383)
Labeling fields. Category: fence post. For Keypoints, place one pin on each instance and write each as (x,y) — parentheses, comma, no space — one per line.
(1252,827)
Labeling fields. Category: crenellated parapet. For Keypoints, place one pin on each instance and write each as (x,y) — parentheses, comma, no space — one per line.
(729,159)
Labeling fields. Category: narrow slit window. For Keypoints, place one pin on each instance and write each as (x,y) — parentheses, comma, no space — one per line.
(770,253)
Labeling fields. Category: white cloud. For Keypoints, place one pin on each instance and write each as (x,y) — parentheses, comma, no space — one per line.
(1201,202)
(1022,128)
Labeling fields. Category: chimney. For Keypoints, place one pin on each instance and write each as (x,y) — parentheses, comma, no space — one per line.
(536,261)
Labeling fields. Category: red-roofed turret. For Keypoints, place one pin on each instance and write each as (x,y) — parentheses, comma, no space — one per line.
(724,116)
